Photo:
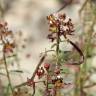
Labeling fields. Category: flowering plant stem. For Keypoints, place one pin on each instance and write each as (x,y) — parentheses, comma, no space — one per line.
(9,80)
(57,47)
(6,68)
(58,93)
(33,75)
(79,90)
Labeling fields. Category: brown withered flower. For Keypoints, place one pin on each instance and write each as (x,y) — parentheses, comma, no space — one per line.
(61,24)
(6,37)
(4,29)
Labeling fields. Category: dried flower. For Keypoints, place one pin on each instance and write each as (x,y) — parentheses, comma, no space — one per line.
(58,82)
(6,37)
(8,47)
(59,23)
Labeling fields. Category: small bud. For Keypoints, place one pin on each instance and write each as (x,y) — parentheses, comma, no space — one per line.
(46,66)
(40,72)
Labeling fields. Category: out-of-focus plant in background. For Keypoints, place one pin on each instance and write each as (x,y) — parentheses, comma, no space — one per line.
(27,19)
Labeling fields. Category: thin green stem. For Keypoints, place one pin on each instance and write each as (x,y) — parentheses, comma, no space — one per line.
(58,93)
(47,81)
(9,80)
(57,48)
(6,67)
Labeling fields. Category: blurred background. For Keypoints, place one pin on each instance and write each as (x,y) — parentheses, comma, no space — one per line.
(27,19)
